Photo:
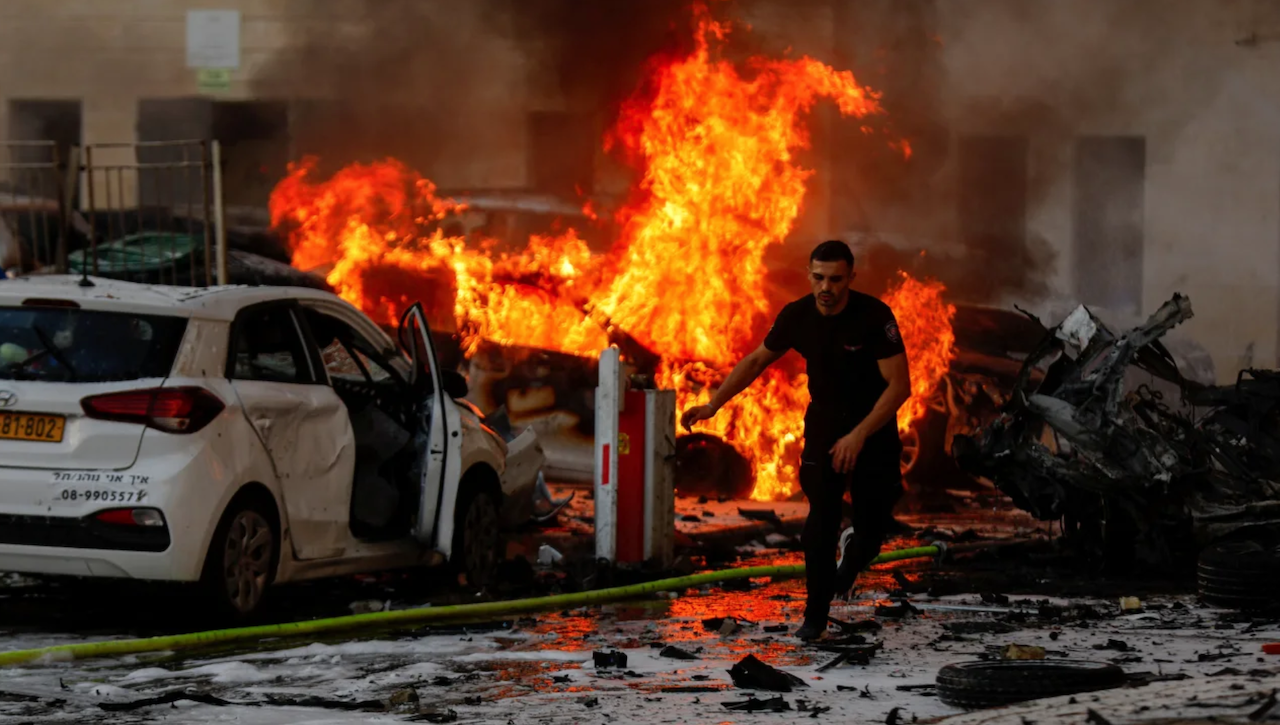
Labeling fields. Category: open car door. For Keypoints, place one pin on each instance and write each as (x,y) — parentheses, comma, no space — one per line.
(440,425)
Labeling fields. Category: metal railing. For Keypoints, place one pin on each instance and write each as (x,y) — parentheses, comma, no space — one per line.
(147,212)
(35,181)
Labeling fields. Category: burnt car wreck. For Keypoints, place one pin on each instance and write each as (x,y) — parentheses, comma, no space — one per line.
(1104,433)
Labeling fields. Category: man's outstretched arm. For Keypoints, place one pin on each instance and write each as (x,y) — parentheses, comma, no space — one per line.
(895,372)
(743,374)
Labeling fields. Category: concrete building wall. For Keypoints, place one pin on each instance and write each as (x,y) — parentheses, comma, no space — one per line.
(1208,106)
(1198,81)
(1195,82)
(112,54)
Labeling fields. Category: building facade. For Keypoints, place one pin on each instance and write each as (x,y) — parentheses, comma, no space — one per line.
(1111,153)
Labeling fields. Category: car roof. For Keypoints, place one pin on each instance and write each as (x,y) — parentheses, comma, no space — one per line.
(211,303)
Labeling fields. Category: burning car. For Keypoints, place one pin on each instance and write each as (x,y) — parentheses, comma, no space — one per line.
(1104,432)
(238,437)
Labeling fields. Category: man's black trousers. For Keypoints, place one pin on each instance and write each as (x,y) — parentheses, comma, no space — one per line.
(875,486)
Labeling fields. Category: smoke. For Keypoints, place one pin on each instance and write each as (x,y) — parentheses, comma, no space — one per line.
(449,87)
(436,84)
(992,98)
(595,54)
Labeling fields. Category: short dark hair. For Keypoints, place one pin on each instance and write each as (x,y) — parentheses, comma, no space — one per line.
(832,250)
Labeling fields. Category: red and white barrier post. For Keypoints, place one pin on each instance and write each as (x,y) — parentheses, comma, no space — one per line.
(635,443)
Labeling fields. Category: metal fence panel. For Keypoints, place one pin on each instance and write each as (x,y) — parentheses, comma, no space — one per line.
(144,212)
(33,196)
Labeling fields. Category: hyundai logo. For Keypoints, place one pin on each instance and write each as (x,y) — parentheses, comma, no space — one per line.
(8,398)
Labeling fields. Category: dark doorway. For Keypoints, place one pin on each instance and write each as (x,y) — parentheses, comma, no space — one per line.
(993,209)
(1110,183)
(338,133)
(562,152)
(254,136)
(37,120)
(255,148)
(171,176)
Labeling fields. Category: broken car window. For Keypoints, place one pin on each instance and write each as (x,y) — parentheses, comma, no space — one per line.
(268,347)
(346,353)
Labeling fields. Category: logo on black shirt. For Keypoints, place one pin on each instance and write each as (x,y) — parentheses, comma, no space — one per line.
(891,331)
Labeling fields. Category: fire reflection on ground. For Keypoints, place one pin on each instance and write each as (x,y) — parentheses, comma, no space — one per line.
(652,624)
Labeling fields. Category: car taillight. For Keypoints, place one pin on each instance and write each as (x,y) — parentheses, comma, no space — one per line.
(131,517)
(172,410)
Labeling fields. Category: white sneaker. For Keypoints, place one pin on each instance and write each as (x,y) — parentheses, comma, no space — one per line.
(846,537)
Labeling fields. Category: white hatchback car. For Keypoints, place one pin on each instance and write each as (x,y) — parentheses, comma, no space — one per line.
(238,437)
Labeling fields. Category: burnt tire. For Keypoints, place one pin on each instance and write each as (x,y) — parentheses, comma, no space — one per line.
(476,536)
(1003,682)
(241,562)
(1242,575)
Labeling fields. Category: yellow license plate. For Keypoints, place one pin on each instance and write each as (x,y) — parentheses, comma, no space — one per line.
(29,427)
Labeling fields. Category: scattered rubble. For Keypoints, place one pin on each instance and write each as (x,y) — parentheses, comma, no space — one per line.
(752,674)
(1137,470)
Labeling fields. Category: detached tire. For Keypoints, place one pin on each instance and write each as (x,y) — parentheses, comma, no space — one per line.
(476,536)
(996,683)
(242,558)
(1243,575)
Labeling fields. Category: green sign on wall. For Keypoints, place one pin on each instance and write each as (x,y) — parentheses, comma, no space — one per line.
(213,80)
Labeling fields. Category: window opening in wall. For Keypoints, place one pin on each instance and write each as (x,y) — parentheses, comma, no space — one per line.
(1110,182)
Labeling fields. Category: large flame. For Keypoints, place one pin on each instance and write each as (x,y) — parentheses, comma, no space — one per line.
(925,323)
(720,185)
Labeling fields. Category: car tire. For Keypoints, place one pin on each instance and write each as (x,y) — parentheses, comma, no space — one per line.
(242,558)
(1242,575)
(476,536)
(1002,682)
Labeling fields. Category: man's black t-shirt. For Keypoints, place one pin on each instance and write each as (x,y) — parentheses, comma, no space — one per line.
(841,355)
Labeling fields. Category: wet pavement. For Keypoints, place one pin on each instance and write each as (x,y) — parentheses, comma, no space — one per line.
(541,668)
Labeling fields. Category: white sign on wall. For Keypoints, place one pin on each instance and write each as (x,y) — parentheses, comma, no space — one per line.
(213,39)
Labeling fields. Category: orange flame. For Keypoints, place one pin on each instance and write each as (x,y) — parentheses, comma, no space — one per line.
(925,323)
(720,185)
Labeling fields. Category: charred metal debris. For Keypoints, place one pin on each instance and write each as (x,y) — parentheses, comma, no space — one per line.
(1103,432)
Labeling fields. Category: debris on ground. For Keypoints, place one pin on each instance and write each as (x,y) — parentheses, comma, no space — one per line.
(1130,604)
(773,704)
(725,625)
(752,674)
(675,653)
(548,555)
(862,625)
(609,660)
(168,698)
(365,606)
(766,515)
(813,710)
(436,716)
(896,611)
(1022,652)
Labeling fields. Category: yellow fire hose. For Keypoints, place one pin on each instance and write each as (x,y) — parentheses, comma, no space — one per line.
(196,640)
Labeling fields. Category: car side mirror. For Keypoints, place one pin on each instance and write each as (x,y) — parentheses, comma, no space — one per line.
(455,385)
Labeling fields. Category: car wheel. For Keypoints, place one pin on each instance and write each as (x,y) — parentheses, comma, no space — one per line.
(1241,574)
(241,560)
(910,450)
(476,536)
